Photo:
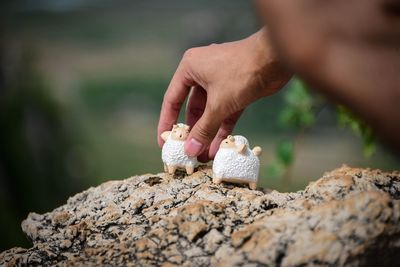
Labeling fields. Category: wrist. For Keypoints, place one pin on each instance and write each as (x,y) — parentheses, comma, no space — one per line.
(270,70)
(260,45)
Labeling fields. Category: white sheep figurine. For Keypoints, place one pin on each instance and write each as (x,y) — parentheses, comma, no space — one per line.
(236,163)
(173,152)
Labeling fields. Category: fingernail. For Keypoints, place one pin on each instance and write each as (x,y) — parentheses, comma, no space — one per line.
(193,147)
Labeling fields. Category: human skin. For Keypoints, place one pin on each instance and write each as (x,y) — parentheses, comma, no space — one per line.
(223,79)
(347,50)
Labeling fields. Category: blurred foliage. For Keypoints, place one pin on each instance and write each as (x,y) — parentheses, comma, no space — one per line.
(347,119)
(299,113)
(35,145)
(284,152)
(100,95)
(283,159)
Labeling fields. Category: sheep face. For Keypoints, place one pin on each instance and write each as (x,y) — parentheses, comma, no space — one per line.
(180,132)
(230,142)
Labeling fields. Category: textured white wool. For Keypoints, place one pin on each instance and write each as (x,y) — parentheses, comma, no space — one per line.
(173,153)
(241,140)
(228,163)
(181,125)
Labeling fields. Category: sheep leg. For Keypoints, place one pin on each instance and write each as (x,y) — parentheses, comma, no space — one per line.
(189,169)
(165,168)
(217,180)
(171,169)
(253,185)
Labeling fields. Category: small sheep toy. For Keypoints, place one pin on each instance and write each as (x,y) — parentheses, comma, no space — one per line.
(236,163)
(173,152)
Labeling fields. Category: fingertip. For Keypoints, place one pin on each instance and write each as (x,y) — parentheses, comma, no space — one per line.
(193,147)
(212,152)
(203,132)
(203,157)
(160,129)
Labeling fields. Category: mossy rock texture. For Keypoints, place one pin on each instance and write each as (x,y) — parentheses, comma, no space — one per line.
(349,217)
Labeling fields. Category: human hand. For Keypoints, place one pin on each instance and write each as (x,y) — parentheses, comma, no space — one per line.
(222,79)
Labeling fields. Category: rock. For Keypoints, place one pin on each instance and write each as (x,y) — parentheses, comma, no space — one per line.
(349,217)
(213,240)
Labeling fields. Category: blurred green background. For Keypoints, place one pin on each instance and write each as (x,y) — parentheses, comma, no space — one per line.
(81,84)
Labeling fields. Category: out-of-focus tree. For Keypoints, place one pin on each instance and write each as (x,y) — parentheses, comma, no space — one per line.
(35,145)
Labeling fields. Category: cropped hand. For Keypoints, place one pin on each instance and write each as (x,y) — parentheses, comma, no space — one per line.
(221,80)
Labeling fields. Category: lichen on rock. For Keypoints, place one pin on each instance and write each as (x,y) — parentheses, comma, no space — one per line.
(349,217)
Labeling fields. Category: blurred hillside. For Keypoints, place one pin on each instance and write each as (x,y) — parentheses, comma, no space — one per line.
(80,90)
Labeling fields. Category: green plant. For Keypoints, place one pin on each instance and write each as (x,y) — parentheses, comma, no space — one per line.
(298,114)
(346,119)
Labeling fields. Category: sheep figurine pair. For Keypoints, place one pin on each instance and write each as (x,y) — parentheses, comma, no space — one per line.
(234,162)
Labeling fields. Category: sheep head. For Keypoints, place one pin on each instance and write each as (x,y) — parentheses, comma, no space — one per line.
(180,132)
(230,142)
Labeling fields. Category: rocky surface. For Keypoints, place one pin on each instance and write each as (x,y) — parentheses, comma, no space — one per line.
(348,217)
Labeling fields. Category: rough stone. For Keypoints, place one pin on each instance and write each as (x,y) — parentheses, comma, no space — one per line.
(349,217)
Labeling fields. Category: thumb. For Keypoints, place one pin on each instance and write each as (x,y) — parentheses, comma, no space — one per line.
(203,132)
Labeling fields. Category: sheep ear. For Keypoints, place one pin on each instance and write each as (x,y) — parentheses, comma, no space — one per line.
(241,148)
(165,135)
(187,127)
(174,127)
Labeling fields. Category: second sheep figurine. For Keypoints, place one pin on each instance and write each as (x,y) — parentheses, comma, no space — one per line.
(173,151)
(236,163)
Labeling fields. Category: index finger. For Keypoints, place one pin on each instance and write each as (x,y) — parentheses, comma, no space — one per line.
(177,91)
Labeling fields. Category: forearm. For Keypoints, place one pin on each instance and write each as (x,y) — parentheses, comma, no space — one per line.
(347,50)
